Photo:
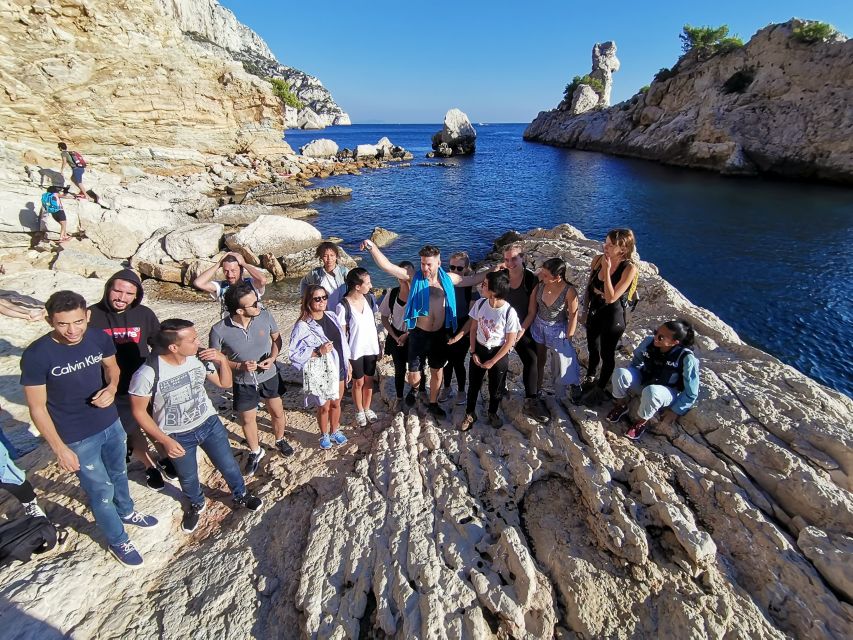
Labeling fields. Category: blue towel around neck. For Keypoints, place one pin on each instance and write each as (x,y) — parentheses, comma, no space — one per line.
(418,303)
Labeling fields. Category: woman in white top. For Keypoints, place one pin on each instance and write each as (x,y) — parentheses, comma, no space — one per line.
(355,314)
(493,327)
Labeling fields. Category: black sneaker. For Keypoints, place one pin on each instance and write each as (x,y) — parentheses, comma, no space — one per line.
(248,500)
(168,468)
(154,480)
(411,397)
(253,461)
(284,447)
(437,412)
(190,520)
(495,421)
(536,409)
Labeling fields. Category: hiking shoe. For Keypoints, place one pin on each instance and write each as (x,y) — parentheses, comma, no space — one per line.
(617,413)
(495,421)
(325,442)
(167,468)
(338,438)
(33,509)
(461,398)
(253,461)
(284,447)
(575,393)
(411,397)
(594,397)
(536,409)
(371,416)
(445,394)
(248,500)
(361,419)
(437,412)
(190,520)
(154,480)
(635,432)
(127,554)
(140,520)
(587,384)
(468,421)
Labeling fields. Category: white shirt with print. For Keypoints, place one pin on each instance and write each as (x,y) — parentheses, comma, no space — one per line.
(494,324)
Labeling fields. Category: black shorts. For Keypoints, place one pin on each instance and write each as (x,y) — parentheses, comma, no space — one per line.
(59,216)
(428,347)
(247,396)
(364,366)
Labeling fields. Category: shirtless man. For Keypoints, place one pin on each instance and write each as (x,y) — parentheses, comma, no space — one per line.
(430,315)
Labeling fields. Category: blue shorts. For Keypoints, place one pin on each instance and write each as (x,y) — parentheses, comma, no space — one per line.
(77,174)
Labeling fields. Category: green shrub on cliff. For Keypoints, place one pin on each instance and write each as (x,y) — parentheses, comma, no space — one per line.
(664,74)
(281,89)
(708,41)
(597,85)
(812,32)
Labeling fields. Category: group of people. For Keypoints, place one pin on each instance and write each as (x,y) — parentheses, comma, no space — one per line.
(51,199)
(110,379)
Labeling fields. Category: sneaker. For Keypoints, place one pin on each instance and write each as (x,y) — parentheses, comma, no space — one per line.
(637,430)
(411,397)
(248,500)
(461,398)
(33,509)
(284,447)
(154,480)
(468,421)
(617,413)
(338,438)
(361,419)
(167,468)
(437,412)
(127,554)
(587,384)
(140,520)
(253,461)
(325,442)
(445,394)
(536,409)
(495,421)
(190,520)
(575,393)
(371,416)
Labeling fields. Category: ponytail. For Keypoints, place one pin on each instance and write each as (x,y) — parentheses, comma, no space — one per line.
(557,267)
(681,331)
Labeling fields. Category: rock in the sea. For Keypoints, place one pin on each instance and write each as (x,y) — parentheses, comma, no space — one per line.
(321,148)
(310,120)
(194,241)
(383,237)
(457,135)
(366,151)
(275,235)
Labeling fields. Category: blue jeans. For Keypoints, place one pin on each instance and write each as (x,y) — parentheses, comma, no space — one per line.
(103,476)
(213,440)
(652,397)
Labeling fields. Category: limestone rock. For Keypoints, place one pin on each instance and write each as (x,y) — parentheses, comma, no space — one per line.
(165,272)
(301,262)
(243,214)
(383,237)
(366,151)
(275,235)
(271,264)
(85,264)
(457,134)
(604,65)
(831,555)
(321,148)
(583,99)
(309,120)
(194,241)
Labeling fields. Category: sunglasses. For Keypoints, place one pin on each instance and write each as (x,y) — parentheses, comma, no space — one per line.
(254,305)
(454,267)
(320,298)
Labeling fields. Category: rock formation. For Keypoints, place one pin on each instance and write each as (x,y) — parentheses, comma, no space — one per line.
(774,106)
(321,148)
(216,28)
(456,138)
(585,97)
(735,522)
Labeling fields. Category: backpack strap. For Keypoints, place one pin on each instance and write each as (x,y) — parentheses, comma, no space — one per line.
(392,298)
(153,361)
(347,313)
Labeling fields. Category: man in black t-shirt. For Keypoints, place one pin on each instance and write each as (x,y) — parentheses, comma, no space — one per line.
(70,377)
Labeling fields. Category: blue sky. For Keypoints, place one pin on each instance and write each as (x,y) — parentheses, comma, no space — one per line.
(408,62)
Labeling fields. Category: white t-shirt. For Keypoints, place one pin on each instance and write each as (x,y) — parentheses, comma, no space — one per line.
(361,331)
(494,324)
(397,314)
(181,402)
(335,292)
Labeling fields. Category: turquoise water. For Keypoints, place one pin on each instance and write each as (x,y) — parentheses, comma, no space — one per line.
(772,259)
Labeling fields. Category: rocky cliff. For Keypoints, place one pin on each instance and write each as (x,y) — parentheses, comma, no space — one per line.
(774,106)
(213,26)
(119,81)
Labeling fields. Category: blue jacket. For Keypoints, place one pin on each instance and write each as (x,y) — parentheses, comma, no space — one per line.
(418,302)
(9,472)
(685,400)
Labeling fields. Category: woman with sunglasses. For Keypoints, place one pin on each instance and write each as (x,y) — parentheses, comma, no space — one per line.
(664,372)
(318,335)
(606,300)
(460,263)
(555,310)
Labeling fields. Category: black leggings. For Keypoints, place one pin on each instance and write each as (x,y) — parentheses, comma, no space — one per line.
(456,363)
(526,350)
(400,358)
(23,492)
(497,378)
(604,328)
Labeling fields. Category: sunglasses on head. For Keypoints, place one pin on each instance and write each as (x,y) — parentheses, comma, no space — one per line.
(454,267)
(320,298)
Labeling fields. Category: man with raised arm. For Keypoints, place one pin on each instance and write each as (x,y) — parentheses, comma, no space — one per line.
(430,315)
(234,268)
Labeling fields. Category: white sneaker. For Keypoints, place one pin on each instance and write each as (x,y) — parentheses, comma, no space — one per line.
(361,419)
(33,509)
(371,416)
(445,394)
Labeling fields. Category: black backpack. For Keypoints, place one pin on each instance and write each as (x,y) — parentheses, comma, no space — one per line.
(22,537)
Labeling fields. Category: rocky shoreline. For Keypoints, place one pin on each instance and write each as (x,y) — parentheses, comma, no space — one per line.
(735,521)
